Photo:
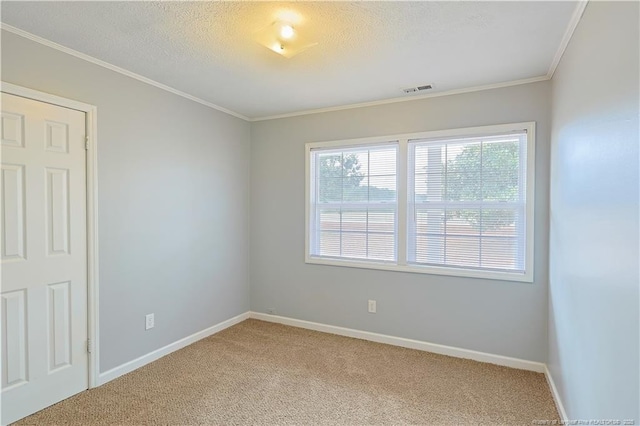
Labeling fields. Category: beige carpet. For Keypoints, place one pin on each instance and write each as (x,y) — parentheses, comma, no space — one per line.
(269,374)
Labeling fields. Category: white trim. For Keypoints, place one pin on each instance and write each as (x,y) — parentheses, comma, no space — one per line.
(117,69)
(26,92)
(566,38)
(92,211)
(401,196)
(92,246)
(307,201)
(128,367)
(506,361)
(556,395)
(417,269)
(405,99)
(431,134)
(401,264)
(530,214)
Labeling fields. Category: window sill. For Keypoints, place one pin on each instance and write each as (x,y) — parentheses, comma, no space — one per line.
(417,269)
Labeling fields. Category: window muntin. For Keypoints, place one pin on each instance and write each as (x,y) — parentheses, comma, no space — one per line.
(354,208)
(467,202)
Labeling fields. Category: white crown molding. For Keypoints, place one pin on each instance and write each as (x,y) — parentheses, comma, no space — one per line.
(571,28)
(406,99)
(117,69)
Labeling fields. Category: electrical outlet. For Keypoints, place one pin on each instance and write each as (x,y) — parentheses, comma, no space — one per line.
(372,306)
(149,321)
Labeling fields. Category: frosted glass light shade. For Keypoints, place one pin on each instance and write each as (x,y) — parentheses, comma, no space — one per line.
(274,37)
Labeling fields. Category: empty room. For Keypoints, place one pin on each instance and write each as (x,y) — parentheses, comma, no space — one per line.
(314,213)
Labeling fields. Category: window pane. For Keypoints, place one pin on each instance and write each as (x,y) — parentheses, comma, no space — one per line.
(463,171)
(463,222)
(382,162)
(330,165)
(355,189)
(381,247)
(500,170)
(329,219)
(329,244)
(500,222)
(330,190)
(354,245)
(429,172)
(462,251)
(355,197)
(500,253)
(430,221)
(382,188)
(466,205)
(354,221)
(382,221)
(430,249)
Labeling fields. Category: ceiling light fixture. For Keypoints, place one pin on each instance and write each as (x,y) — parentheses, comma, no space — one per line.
(282,38)
(287,31)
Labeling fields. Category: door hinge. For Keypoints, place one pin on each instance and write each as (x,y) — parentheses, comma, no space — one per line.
(86,142)
(88,345)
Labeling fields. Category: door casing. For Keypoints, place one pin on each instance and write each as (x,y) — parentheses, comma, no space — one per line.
(91,112)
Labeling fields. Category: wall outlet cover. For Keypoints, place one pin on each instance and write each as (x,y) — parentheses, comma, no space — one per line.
(149,321)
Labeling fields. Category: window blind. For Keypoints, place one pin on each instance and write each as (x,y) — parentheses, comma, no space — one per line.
(353,203)
(467,202)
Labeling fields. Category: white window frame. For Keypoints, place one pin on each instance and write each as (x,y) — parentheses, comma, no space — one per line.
(402,173)
(370,206)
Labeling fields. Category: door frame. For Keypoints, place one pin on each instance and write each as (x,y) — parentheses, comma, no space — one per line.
(91,129)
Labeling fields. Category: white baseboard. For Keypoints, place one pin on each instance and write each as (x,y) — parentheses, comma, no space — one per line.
(522,364)
(506,361)
(128,367)
(556,395)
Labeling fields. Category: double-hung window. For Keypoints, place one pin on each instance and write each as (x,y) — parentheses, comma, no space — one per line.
(455,202)
(354,203)
(467,202)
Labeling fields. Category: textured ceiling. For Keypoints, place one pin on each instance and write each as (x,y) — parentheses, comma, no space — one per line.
(366,51)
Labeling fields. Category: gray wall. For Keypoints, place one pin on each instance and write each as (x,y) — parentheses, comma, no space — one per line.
(173,192)
(499,317)
(593,303)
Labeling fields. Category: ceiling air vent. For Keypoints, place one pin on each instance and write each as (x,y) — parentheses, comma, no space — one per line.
(417,89)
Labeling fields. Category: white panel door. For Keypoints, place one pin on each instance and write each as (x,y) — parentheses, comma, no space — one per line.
(44,256)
